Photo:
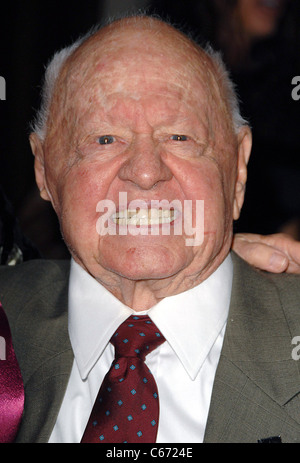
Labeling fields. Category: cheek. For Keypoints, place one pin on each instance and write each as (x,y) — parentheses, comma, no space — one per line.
(203,181)
(81,190)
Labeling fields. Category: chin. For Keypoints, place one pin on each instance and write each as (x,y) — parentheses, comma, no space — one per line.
(145,263)
(145,274)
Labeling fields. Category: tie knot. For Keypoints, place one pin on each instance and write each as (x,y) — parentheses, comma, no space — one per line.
(136,337)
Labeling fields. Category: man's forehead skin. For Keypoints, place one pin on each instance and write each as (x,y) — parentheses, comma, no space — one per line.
(140,48)
(127,89)
(137,39)
(110,55)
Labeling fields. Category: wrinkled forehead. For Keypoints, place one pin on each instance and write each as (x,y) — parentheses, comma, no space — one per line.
(138,58)
(128,55)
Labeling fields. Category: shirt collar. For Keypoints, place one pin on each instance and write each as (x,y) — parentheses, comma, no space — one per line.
(190,321)
(94,315)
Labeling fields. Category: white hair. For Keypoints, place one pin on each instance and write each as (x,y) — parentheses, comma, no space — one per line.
(52,72)
(54,67)
(227,87)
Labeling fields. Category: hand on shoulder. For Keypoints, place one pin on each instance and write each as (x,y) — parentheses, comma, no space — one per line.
(275,253)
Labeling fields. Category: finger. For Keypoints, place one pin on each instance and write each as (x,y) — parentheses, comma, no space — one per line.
(284,243)
(293,267)
(261,255)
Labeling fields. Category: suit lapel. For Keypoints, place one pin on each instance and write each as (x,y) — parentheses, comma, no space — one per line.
(44,352)
(44,393)
(257,381)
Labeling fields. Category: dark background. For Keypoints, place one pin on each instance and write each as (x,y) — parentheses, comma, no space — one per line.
(31,31)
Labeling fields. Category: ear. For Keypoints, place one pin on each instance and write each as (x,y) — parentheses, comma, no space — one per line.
(38,152)
(244,150)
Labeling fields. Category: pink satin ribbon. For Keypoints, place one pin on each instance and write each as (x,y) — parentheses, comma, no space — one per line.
(11,385)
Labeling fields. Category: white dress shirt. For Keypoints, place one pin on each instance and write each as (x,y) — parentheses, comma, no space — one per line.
(193,323)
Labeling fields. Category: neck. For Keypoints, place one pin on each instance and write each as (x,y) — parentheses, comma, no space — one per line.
(141,295)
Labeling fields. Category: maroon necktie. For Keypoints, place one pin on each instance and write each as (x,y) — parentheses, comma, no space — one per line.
(11,385)
(127,406)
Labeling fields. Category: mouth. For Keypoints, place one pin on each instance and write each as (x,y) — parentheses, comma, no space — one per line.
(145,217)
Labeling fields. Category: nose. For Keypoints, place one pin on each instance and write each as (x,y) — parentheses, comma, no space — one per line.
(144,166)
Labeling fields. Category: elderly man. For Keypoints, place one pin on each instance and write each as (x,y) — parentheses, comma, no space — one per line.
(141,127)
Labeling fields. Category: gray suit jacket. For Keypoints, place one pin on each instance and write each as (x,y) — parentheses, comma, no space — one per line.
(257,383)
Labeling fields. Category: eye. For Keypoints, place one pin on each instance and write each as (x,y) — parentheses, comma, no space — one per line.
(179,137)
(106,140)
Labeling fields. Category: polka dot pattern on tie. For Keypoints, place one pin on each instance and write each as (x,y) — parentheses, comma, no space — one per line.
(127,406)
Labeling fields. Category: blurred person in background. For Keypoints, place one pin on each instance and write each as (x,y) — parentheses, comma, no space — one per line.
(14,246)
(259,41)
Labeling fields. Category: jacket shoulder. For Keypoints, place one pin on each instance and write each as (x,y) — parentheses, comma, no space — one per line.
(43,279)
(277,292)
(33,270)
(34,296)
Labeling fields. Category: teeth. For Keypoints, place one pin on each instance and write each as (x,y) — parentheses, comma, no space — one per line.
(144,216)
